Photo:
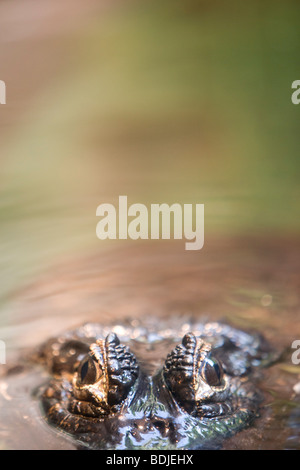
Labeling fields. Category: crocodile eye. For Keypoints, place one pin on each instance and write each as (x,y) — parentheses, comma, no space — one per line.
(103,378)
(212,372)
(89,372)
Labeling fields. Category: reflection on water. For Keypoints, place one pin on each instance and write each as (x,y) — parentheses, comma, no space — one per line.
(250,283)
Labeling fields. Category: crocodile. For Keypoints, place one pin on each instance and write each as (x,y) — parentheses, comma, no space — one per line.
(129,386)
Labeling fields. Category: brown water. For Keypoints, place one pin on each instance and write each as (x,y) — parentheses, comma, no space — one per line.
(251,283)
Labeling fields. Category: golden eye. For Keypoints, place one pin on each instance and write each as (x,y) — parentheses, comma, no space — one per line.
(89,371)
(212,372)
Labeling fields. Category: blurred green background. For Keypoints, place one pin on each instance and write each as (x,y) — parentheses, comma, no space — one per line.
(162,101)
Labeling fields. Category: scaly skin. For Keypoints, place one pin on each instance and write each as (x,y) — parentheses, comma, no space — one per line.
(102,395)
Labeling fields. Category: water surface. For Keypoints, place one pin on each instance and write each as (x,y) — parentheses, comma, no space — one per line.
(250,283)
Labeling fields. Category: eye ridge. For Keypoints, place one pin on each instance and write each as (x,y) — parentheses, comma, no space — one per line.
(103,379)
(193,375)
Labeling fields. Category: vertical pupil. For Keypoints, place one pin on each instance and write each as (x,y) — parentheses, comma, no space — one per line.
(84,370)
(217,372)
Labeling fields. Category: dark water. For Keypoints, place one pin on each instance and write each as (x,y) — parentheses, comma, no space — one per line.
(250,283)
